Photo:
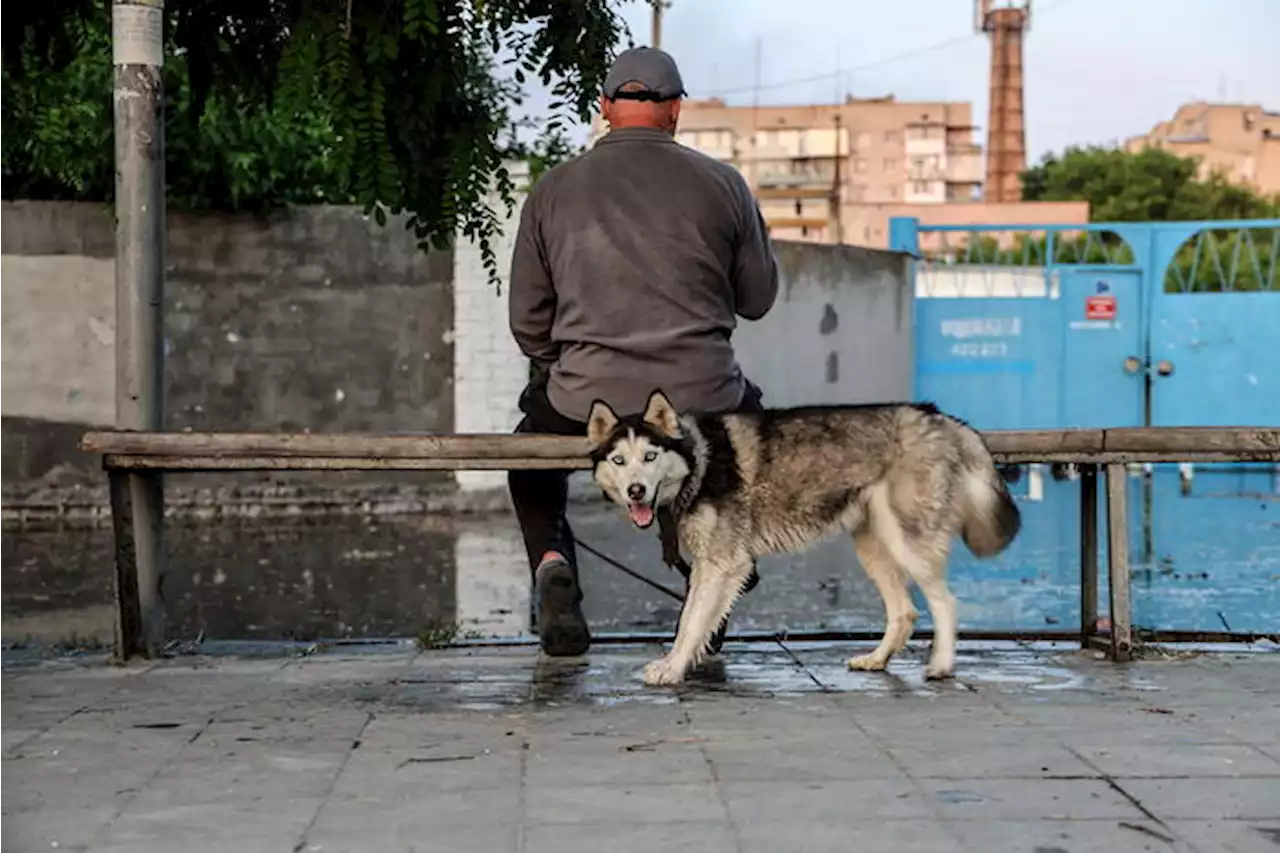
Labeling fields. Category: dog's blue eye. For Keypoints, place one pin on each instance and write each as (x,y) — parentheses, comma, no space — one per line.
(618,460)
(650,456)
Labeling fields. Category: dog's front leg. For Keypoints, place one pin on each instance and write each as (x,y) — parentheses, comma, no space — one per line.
(713,587)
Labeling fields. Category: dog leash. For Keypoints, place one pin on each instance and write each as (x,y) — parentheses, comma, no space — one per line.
(627,570)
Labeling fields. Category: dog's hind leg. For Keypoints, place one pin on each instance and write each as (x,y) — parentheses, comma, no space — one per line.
(923,556)
(899,613)
(929,573)
(713,587)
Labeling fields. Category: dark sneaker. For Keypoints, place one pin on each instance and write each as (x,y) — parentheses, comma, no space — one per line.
(562,629)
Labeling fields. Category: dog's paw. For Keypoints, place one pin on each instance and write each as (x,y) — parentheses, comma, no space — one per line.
(867,663)
(662,673)
(938,672)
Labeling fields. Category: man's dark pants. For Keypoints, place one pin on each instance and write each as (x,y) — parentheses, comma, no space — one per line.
(541,497)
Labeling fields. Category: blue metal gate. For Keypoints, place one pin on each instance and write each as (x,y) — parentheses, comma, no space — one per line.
(1116,324)
(1108,325)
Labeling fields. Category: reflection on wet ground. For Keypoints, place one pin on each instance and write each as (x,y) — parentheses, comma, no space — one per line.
(1031,748)
(1207,561)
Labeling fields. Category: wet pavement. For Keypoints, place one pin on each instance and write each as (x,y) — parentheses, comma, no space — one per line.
(1035,747)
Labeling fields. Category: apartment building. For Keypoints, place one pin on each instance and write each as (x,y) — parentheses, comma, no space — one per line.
(812,167)
(1243,140)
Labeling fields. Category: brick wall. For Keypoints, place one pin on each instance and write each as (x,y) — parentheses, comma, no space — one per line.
(489,369)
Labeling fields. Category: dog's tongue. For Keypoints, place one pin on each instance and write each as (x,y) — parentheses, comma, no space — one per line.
(641,514)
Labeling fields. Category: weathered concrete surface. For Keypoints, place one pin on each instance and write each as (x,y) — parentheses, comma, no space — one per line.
(1031,749)
(840,332)
(317,319)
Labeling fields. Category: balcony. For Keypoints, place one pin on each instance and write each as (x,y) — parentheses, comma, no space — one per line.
(964,167)
(800,144)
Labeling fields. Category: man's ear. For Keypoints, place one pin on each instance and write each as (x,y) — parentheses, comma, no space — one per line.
(661,415)
(600,422)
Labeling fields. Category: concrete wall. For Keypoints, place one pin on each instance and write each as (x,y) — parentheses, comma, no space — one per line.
(489,369)
(322,320)
(316,319)
(840,331)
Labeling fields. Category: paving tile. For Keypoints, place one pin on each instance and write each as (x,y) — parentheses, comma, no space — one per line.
(57,827)
(610,762)
(454,765)
(1230,836)
(823,802)
(1200,760)
(1021,799)
(240,823)
(407,832)
(806,759)
(996,760)
(1075,836)
(614,761)
(1208,799)
(14,737)
(841,835)
(395,806)
(639,803)
(616,837)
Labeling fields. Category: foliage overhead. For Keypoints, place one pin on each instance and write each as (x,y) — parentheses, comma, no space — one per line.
(234,155)
(1147,186)
(397,105)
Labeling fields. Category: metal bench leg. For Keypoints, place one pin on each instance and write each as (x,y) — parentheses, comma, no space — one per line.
(137,520)
(1088,554)
(1118,562)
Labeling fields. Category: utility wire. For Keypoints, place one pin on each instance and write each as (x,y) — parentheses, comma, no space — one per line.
(876,63)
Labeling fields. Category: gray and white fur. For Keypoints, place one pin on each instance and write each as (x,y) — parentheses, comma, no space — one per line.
(904,479)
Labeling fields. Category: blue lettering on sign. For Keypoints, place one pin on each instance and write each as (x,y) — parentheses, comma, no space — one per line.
(1103,287)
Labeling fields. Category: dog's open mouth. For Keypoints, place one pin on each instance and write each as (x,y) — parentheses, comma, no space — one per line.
(641,514)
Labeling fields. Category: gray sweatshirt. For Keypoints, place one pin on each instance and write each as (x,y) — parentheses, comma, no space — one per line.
(630,264)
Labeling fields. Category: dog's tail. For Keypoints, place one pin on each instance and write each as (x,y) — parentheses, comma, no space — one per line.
(991,519)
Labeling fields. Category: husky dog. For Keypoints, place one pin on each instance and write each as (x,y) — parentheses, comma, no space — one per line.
(904,479)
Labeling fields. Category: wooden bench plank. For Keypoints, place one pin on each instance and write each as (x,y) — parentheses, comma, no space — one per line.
(475,446)
(1173,440)
(342,445)
(229,462)
(355,451)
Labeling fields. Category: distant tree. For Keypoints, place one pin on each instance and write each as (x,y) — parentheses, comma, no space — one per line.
(1148,186)
(398,100)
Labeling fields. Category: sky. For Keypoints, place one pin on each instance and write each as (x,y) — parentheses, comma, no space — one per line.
(1097,71)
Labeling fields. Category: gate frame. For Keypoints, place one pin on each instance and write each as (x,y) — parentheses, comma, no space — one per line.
(1154,246)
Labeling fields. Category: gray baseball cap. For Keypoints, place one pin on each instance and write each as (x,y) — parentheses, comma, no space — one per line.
(647,65)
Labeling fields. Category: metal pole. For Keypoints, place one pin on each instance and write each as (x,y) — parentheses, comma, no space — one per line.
(138,58)
(656,26)
(1088,553)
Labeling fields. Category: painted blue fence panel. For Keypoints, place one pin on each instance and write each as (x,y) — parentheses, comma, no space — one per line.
(1167,324)
(982,359)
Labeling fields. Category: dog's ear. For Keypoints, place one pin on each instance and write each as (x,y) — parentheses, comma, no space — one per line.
(600,422)
(660,414)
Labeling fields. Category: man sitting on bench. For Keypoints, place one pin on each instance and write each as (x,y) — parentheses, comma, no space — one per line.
(630,264)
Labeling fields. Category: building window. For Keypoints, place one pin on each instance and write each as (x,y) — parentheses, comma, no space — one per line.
(890,165)
(892,136)
(860,164)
